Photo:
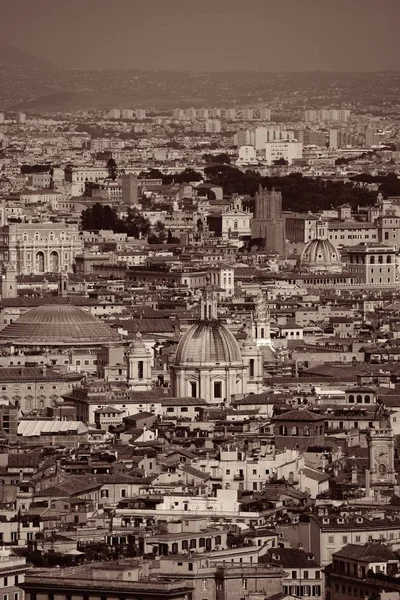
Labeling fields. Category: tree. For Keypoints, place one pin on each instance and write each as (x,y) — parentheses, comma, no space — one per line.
(112,169)
(218,159)
(159,230)
(99,217)
(281,161)
(259,243)
(158,235)
(222,158)
(136,224)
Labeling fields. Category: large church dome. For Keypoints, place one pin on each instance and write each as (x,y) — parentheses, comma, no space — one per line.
(320,255)
(208,341)
(57,325)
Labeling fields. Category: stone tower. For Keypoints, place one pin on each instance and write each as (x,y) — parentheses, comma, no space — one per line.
(261,326)
(139,365)
(268,222)
(253,359)
(9,281)
(382,475)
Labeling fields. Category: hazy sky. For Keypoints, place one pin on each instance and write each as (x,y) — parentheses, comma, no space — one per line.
(271,35)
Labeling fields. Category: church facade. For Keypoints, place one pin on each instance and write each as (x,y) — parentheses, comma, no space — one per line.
(211,364)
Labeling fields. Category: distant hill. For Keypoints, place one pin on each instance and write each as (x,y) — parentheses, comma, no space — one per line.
(32,84)
(12,57)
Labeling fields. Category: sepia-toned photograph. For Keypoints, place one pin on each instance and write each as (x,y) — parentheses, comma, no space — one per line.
(199,300)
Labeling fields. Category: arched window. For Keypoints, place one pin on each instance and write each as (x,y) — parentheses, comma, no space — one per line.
(39,262)
(372,260)
(282,430)
(389,259)
(235,225)
(380,259)
(306,431)
(54,262)
(351,398)
(359,398)
(367,399)
(295,430)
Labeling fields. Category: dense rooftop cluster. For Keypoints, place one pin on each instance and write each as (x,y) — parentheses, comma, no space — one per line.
(199,355)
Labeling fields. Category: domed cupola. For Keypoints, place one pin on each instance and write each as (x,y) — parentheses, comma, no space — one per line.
(319,254)
(208,363)
(208,341)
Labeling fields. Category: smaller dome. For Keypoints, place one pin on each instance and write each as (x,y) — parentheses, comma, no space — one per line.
(320,254)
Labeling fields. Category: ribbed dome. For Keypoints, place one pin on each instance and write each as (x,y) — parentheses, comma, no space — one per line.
(320,252)
(208,342)
(57,325)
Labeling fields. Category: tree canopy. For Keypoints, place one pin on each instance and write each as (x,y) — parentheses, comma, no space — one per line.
(112,169)
(299,193)
(104,217)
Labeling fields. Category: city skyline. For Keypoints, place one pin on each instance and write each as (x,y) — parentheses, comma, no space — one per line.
(260,36)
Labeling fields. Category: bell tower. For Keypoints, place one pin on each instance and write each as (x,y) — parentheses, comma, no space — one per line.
(208,306)
(9,281)
(139,366)
(253,359)
(380,441)
(261,327)
(63,284)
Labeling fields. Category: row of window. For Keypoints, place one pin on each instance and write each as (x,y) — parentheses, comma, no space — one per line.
(301,591)
(305,431)
(307,575)
(357,540)
(86,362)
(29,387)
(217,388)
(11,581)
(353,237)
(353,591)
(359,398)
(361,259)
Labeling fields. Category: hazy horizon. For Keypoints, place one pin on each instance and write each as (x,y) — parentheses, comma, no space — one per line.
(224,35)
